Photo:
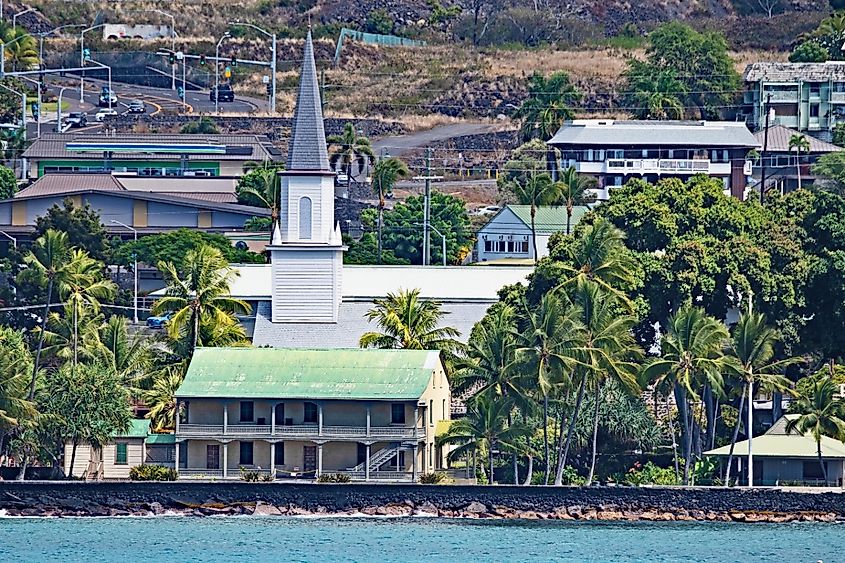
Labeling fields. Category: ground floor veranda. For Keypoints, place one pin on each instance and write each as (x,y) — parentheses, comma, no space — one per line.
(308,459)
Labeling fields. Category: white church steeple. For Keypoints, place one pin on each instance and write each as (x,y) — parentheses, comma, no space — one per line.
(306,251)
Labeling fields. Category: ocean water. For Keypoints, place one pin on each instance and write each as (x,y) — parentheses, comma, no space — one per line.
(277,539)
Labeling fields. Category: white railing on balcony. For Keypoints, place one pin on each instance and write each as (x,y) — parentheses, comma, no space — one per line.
(299,431)
(782,95)
(837,96)
(378,475)
(658,166)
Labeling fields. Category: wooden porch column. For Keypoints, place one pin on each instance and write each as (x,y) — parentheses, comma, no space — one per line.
(176,416)
(176,464)
(273,458)
(416,419)
(426,469)
(225,417)
(414,464)
(367,462)
(368,422)
(319,458)
(225,459)
(273,419)
(320,418)
(398,449)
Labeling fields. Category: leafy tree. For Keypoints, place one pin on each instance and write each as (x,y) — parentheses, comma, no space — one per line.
(21,48)
(538,190)
(173,246)
(198,296)
(442,16)
(258,224)
(653,93)
(203,126)
(700,62)
(525,161)
(809,52)
(549,104)
(403,226)
(839,134)
(365,251)
(8,183)
(385,174)
(15,370)
(348,149)
(10,108)
(81,225)
(161,399)
(379,21)
(830,169)
(260,187)
(407,321)
(820,413)
(129,357)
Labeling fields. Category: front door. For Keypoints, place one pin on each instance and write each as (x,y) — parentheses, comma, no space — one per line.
(280,414)
(212,456)
(310,458)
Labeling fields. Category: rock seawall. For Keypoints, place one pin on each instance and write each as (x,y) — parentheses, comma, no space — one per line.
(562,503)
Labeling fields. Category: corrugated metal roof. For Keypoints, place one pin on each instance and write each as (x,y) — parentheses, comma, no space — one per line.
(777,443)
(793,72)
(137,429)
(308,374)
(53,145)
(548,220)
(657,133)
(174,184)
(214,197)
(161,439)
(57,184)
(779,140)
(307,149)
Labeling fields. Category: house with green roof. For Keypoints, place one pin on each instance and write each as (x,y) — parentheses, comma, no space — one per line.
(782,458)
(507,236)
(299,413)
(114,460)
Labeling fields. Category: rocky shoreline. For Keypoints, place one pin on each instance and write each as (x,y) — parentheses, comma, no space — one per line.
(63,499)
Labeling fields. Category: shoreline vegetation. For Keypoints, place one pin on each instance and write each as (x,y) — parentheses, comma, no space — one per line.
(648,504)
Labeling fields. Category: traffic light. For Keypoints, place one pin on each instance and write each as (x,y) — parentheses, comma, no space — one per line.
(86,54)
(172,58)
(269,89)
(234,62)
(227,72)
(35,110)
(202,60)
(181,92)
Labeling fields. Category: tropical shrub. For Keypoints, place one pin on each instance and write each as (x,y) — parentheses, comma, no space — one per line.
(433,478)
(334,478)
(250,476)
(147,472)
(650,474)
(571,476)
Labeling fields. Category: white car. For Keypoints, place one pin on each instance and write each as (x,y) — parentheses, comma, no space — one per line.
(104,113)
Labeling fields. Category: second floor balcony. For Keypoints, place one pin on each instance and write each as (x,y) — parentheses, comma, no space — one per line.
(299,431)
(657,166)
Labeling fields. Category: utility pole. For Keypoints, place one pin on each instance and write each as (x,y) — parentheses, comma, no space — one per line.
(750,414)
(427,209)
(765,148)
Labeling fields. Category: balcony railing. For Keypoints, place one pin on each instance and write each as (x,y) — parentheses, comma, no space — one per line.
(304,431)
(658,166)
(782,95)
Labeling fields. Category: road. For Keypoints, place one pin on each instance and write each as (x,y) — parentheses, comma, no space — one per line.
(402,144)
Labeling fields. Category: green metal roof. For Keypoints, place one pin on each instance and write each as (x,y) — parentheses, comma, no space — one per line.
(137,429)
(548,219)
(160,439)
(777,443)
(308,374)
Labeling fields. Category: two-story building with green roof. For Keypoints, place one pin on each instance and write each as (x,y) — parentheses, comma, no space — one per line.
(371,414)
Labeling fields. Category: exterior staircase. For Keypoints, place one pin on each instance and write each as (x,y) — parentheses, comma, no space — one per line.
(379,458)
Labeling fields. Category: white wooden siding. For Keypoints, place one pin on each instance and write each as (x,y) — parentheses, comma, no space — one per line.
(134,456)
(306,285)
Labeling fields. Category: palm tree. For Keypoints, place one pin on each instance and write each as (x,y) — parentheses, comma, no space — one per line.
(653,96)
(753,347)
(549,104)
(348,148)
(800,144)
(15,367)
(407,321)
(548,350)
(198,294)
(536,190)
(820,412)
(575,190)
(385,174)
(484,428)
(82,288)
(47,261)
(21,48)
(161,398)
(265,191)
(129,357)
(691,358)
(610,352)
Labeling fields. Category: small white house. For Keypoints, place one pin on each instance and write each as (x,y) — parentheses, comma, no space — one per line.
(508,234)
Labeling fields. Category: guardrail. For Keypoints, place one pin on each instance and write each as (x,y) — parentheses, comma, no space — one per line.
(658,166)
(298,431)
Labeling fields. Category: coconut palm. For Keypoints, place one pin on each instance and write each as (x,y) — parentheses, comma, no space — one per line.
(348,148)
(653,96)
(821,413)
(161,398)
(385,174)
(547,352)
(609,353)
(536,190)
(21,48)
(753,347)
(129,357)
(690,359)
(198,295)
(15,368)
(549,104)
(47,263)
(484,428)
(575,190)
(800,144)
(265,190)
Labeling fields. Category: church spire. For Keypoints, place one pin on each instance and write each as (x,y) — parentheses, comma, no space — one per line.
(307,148)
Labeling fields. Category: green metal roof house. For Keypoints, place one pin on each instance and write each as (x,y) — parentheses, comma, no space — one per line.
(299,412)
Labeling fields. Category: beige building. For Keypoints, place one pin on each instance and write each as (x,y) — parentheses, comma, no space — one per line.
(371,414)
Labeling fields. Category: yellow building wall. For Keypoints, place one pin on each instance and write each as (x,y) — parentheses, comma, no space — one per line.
(139,214)
(204,219)
(18,213)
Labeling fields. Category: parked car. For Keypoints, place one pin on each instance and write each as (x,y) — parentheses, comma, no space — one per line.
(159,321)
(76,119)
(136,106)
(107,97)
(342,179)
(104,113)
(226,94)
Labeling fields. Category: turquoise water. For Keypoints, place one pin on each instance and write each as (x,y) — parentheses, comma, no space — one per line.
(258,539)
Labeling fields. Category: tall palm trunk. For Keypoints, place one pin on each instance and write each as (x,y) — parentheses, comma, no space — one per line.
(546,435)
(75,335)
(568,213)
(571,432)
(684,410)
(530,471)
(41,339)
(710,411)
(595,436)
(821,461)
(490,459)
(798,165)
(72,460)
(534,242)
(380,220)
(674,441)
(195,328)
(734,437)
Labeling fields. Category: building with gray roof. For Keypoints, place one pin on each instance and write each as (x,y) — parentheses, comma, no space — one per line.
(614,151)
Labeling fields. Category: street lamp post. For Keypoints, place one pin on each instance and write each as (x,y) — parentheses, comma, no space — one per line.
(41,37)
(442,240)
(82,61)
(38,101)
(11,238)
(15,16)
(59,109)
(23,106)
(217,72)
(272,101)
(135,267)
(3,53)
